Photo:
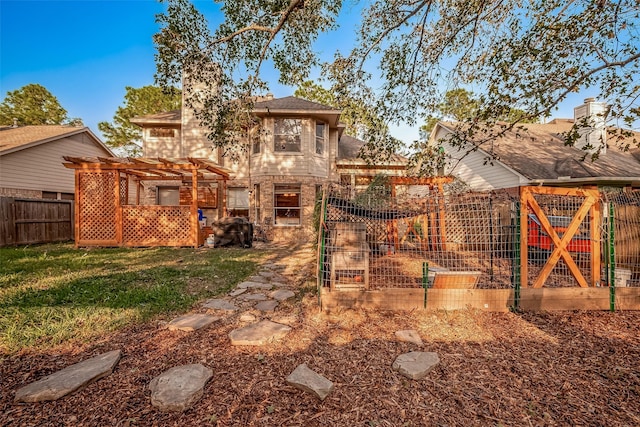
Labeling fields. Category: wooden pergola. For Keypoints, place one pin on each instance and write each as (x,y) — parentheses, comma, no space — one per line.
(105,216)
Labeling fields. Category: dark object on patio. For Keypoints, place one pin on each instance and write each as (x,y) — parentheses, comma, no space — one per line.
(232,231)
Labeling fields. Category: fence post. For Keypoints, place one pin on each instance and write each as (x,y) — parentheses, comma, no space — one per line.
(612,260)
(425,280)
(515,280)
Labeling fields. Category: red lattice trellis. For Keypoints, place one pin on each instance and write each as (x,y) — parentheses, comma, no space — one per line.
(97,207)
(156,226)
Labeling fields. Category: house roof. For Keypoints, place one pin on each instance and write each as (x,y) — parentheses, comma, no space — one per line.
(23,137)
(539,153)
(289,103)
(292,106)
(168,117)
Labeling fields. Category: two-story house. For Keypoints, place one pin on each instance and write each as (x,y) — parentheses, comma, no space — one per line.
(278,180)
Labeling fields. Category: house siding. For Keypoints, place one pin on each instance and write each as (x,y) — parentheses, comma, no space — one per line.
(473,169)
(40,168)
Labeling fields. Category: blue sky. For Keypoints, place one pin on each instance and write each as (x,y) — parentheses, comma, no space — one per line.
(86,52)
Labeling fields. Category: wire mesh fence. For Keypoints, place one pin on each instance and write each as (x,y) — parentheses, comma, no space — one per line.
(428,248)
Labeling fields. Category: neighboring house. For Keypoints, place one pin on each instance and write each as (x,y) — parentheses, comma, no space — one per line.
(538,155)
(31,159)
(279,179)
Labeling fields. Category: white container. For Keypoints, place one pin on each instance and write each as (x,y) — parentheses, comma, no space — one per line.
(623,276)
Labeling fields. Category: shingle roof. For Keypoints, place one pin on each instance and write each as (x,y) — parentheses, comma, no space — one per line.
(540,153)
(168,116)
(12,138)
(349,147)
(292,103)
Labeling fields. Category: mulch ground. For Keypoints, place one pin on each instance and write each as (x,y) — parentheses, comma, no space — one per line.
(500,369)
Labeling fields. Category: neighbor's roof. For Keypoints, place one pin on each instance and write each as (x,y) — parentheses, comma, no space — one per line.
(539,153)
(23,137)
(349,147)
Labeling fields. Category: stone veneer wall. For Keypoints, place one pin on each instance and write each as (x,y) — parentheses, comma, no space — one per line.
(19,192)
(302,233)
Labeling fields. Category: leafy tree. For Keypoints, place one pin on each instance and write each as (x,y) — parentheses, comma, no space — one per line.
(460,105)
(32,104)
(527,55)
(121,133)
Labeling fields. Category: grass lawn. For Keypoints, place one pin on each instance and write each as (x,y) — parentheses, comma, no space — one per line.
(56,294)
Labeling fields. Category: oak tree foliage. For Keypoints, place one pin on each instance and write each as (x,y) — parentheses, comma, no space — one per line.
(32,104)
(527,55)
(121,133)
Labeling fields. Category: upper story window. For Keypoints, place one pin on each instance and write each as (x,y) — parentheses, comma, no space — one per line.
(162,133)
(320,138)
(255,145)
(287,135)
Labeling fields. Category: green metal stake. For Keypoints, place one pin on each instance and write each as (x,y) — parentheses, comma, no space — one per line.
(612,260)
(515,277)
(425,280)
(322,238)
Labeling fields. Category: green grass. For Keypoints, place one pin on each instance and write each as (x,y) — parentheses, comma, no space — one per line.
(56,294)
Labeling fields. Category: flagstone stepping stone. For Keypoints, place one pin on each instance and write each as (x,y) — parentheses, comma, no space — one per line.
(255,297)
(282,294)
(255,285)
(220,304)
(307,380)
(409,336)
(267,274)
(191,322)
(258,279)
(69,379)
(416,364)
(179,387)
(269,305)
(238,291)
(286,320)
(279,284)
(247,317)
(259,333)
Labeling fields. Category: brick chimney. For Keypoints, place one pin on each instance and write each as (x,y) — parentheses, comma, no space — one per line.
(193,140)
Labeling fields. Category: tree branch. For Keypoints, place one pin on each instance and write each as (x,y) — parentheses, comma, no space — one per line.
(392,28)
(285,16)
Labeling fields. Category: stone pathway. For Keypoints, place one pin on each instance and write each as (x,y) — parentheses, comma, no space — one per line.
(307,380)
(69,379)
(416,364)
(260,333)
(191,322)
(180,387)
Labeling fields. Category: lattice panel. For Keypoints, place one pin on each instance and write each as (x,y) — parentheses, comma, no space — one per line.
(97,207)
(156,226)
(124,190)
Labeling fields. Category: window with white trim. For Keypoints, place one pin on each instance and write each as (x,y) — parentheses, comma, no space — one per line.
(320,138)
(287,204)
(238,201)
(287,135)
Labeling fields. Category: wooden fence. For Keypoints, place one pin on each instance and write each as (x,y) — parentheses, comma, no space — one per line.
(28,221)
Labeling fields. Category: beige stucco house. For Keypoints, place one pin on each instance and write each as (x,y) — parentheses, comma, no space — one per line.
(31,159)
(278,180)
